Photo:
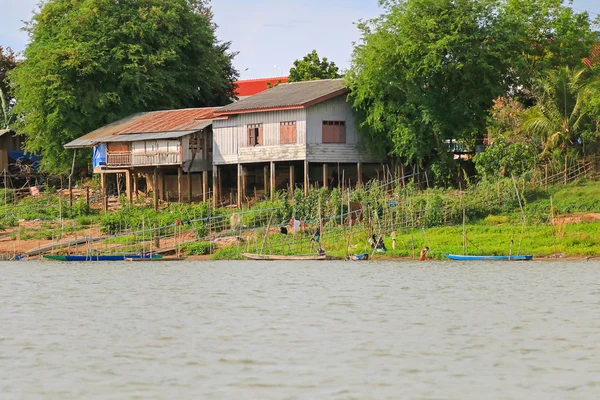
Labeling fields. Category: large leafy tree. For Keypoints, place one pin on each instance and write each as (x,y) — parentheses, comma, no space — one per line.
(91,62)
(427,71)
(8,62)
(312,67)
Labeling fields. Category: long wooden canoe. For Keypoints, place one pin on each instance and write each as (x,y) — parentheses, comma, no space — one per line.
(99,257)
(273,257)
(488,258)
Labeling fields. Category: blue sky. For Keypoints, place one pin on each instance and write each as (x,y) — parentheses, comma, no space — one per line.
(267,33)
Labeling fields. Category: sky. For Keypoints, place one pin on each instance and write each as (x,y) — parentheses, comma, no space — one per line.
(268,34)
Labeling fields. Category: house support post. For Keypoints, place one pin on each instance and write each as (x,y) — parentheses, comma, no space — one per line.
(204,186)
(70,179)
(359,174)
(216,192)
(189,186)
(161,193)
(179,185)
(325,176)
(155,188)
(292,181)
(272,178)
(266,180)
(135,183)
(306,177)
(104,191)
(244,182)
(128,187)
(239,185)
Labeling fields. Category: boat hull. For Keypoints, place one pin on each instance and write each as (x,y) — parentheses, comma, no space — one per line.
(273,257)
(121,257)
(488,258)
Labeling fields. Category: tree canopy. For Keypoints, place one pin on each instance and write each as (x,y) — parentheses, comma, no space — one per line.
(312,68)
(91,62)
(427,71)
(8,62)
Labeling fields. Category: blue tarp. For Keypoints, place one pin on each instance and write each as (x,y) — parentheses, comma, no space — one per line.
(23,157)
(99,158)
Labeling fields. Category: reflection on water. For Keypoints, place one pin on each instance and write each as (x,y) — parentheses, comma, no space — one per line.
(300,330)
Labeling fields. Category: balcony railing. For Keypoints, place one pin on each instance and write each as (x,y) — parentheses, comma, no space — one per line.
(123,159)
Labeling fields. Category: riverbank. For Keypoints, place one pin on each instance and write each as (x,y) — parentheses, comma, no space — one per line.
(558,221)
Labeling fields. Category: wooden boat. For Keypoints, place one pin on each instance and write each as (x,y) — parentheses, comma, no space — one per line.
(114,257)
(488,258)
(155,259)
(359,257)
(273,257)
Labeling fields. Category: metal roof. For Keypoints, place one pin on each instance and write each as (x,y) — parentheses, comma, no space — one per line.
(168,122)
(3,131)
(150,136)
(287,96)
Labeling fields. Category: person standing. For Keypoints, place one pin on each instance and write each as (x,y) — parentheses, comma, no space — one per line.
(423,255)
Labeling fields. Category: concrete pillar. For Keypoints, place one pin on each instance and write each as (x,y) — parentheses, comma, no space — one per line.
(292,181)
(104,191)
(239,185)
(189,186)
(325,176)
(216,193)
(359,174)
(204,186)
(128,187)
(266,180)
(179,185)
(273,181)
(155,188)
(135,184)
(306,183)
(244,182)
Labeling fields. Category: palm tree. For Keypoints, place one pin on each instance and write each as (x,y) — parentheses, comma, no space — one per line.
(560,115)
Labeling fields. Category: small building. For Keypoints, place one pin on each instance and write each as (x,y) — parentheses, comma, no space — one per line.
(293,135)
(153,150)
(9,142)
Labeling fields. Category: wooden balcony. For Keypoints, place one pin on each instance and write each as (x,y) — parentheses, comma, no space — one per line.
(129,159)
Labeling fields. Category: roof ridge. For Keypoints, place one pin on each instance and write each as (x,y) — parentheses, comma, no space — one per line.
(261,79)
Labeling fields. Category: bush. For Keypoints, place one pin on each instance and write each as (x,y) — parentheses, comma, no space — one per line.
(496,219)
(196,248)
(228,253)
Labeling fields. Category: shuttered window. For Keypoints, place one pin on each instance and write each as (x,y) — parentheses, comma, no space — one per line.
(287,132)
(118,147)
(334,132)
(255,135)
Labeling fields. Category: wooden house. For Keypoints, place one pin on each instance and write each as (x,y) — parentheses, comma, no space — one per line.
(292,135)
(9,141)
(153,150)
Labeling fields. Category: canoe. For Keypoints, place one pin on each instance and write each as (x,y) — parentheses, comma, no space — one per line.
(155,259)
(359,257)
(114,257)
(488,258)
(274,257)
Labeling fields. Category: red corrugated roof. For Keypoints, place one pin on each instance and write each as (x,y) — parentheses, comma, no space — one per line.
(189,119)
(594,58)
(250,87)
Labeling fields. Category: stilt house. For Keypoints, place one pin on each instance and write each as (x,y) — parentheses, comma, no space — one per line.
(153,151)
(292,135)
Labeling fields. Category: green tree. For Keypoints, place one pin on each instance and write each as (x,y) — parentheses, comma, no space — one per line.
(91,62)
(562,117)
(8,62)
(312,68)
(427,71)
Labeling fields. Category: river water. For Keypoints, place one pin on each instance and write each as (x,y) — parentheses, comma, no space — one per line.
(300,330)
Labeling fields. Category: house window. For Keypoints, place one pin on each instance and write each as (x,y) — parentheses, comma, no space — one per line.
(255,135)
(334,131)
(287,132)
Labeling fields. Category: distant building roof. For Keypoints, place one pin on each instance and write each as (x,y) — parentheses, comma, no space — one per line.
(4,131)
(250,87)
(149,125)
(287,96)
(594,58)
